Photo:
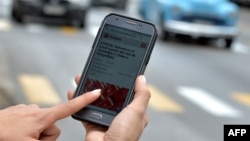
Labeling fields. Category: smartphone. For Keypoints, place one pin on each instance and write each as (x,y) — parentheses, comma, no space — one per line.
(120,52)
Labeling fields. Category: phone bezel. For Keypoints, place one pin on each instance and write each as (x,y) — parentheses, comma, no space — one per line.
(95,115)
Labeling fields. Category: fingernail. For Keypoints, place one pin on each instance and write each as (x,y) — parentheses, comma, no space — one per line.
(144,79)
(96,91)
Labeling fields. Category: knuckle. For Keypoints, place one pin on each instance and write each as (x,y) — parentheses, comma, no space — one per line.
(20,105)
(34,106)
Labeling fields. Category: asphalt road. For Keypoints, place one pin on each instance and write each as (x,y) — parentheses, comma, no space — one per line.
(196,89)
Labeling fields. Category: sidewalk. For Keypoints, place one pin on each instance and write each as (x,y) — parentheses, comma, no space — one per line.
(6,85)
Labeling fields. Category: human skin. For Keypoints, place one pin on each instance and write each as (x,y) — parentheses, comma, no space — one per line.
(129,124)
(32,123)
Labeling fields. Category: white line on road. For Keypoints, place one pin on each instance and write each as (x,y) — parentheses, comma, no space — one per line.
(35,28)
(208,102)
(93,30)
(5,25)
(240,48)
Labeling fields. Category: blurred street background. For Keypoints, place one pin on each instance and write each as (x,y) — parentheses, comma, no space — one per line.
(196,88)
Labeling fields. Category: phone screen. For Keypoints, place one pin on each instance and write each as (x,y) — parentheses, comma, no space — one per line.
(114,67)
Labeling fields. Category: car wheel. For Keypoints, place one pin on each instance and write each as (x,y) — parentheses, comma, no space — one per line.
(17,16)
(163,33)
(79,23)
(121,4)
(203,40)
(228,43)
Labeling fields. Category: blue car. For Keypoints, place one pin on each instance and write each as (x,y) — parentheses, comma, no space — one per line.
(202,19)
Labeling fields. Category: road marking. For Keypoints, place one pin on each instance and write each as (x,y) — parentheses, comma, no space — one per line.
(240,48)
(208,102)
(68,30)
(243,98)
(35,28)
(39,90)
(93,30)
(4,25)
(160,102)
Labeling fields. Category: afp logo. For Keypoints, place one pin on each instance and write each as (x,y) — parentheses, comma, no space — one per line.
(236,132)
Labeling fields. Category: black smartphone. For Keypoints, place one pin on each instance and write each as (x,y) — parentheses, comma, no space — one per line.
(120,53)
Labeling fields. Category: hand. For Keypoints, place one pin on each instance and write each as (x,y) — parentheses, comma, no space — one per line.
(31,123)
(129,124)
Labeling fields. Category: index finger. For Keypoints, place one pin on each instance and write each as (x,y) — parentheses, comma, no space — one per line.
(72,106)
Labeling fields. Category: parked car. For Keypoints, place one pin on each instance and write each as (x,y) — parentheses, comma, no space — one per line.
(119,4)
(202,19)
(71,11)
(242,2)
